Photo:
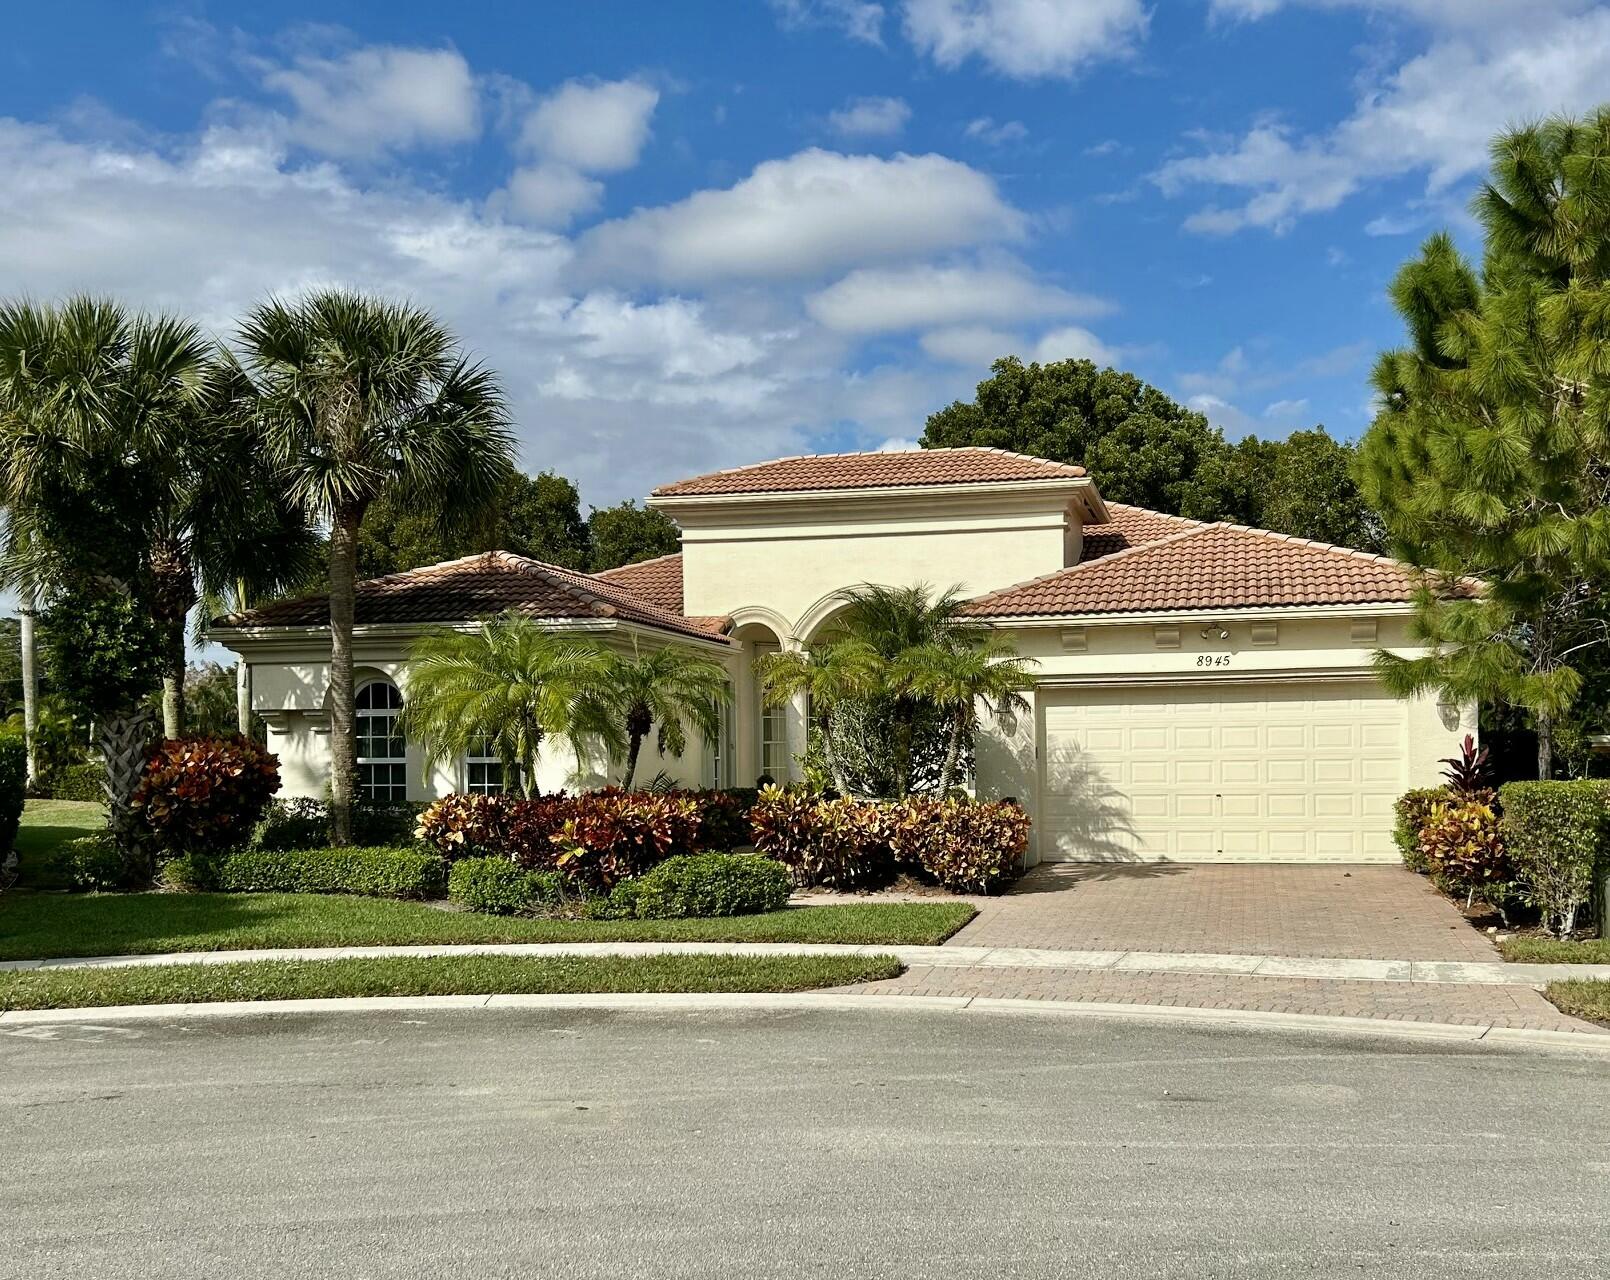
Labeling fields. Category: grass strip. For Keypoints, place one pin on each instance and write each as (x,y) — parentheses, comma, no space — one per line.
(42,926)
(431,976)
(1587,998)
(1553,951)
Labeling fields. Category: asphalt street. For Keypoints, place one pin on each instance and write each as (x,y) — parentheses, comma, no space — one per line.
(779,1143)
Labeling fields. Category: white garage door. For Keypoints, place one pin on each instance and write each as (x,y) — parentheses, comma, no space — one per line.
(1299,772)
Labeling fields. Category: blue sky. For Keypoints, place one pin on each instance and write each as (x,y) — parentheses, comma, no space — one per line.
(694,234)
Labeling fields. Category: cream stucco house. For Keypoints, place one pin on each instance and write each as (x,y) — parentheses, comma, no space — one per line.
(1204,690)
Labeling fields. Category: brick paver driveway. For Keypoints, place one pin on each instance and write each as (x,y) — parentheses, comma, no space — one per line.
(1368,912)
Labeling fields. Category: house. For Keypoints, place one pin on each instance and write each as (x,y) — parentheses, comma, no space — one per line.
(1204,691)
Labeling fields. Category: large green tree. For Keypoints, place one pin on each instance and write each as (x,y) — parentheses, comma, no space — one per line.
(362,399)
(537,516)
(627,533)
(1490,456)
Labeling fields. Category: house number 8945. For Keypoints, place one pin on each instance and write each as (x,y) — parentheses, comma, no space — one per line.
(1212,659)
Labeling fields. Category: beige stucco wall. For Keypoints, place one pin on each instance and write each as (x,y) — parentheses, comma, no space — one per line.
(789,557)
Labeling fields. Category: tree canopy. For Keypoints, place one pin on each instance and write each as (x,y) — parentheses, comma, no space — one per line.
(1489,455)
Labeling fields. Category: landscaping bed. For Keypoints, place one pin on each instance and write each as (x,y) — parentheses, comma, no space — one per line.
(432,976)
(37,925)
(1581,998)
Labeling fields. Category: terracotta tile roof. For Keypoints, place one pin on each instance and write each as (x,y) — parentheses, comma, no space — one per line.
(1130,527)
(819,471)
(659,581)
(480,586)
(1207,566)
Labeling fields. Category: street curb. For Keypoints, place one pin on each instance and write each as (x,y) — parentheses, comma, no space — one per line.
(1430,972)
(1232,1019)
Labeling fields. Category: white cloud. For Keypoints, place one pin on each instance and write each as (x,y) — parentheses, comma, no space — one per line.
(1286,410)
(1074,343)
(971,345)
(811,213)
(870,118)
(1435,114)
(592,127)
(984,129)
(859,19)
(1234,422)
(898,444)
(1441,13)
(377,99)
(551,195)
(889,299)
(1026,39)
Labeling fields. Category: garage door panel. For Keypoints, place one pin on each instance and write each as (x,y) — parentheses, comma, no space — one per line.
(1300,772)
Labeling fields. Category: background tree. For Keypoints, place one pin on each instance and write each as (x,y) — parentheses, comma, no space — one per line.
(666,687)
(627,533)
(514,684)
(1491,453)
(363,399)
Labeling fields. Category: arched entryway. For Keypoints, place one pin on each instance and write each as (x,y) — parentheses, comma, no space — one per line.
(766,740)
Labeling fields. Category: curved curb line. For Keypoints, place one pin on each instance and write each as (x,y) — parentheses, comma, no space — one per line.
(728,1002)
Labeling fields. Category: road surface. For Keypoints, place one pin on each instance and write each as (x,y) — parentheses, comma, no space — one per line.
(787,1144)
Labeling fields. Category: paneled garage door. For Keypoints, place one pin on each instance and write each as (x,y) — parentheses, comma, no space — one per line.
(1299,772)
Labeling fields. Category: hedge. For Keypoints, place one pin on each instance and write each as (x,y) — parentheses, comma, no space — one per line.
(1556,835)
(703,884)
(499,887)
(78,782)
(370,872)
(13,789)
(85,864)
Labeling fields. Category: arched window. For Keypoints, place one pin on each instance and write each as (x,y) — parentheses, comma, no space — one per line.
(382,766)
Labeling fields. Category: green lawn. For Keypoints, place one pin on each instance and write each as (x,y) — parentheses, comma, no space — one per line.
(34,925)
(1581,998)
(1553,951)
(46,823)
(432,976)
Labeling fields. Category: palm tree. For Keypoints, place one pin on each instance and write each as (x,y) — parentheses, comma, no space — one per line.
(666,686)
(960,675)
(361,399)
(830,675)
(515,684)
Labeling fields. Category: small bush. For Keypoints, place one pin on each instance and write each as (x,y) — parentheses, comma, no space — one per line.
(532,826)
(723,820)
(1464,848)
(299,823)
(498,887)
(78,782)
(368,872)
(610,836)
(204,795)
(1411,810)
(967,846)
(1555,834)
(86,864)
(13,789)
(391,825)
(836,844)
(466,826)
(703,884)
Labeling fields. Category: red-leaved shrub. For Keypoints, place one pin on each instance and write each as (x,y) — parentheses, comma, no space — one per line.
(204,795)
(612,835)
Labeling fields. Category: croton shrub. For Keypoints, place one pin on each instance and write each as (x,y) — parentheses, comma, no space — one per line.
(1462,842)
(965,845)
(204,795)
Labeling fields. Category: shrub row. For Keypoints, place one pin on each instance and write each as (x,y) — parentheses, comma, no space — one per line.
(370,872)
(86,864)
(686,885)
(304,823)
(965,845)
(76,782)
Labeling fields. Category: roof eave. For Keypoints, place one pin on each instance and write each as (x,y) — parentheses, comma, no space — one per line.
(1216,613)
(1083,486)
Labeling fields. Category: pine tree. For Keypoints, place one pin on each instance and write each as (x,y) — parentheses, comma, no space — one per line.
(1490,456)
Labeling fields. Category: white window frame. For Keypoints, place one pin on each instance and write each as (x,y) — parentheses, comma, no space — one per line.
(489,765)
(722,744)
(774,741)
(395,765)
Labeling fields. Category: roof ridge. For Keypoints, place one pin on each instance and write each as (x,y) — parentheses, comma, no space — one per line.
(634,564)
(1374,557)
(1069,570)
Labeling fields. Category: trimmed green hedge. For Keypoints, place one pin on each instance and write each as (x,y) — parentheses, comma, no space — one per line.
(500,888)
(78,782)
(373,872)
(86,864)
(13,789)
(1556,834)
(703,884)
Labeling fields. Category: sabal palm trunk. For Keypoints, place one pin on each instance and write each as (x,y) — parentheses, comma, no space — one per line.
(123,741)
(27,612)
(343,744)
(173,664)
